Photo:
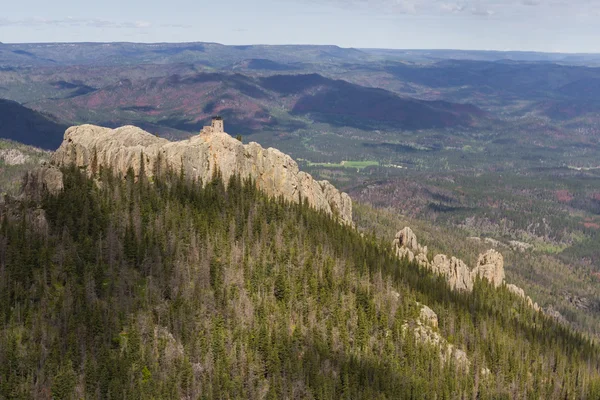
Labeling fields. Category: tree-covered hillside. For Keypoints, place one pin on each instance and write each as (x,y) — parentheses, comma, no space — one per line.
(174,289)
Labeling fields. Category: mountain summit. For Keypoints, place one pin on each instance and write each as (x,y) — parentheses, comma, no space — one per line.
(200,158)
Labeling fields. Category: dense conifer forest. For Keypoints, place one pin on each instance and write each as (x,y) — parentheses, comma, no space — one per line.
(174,289)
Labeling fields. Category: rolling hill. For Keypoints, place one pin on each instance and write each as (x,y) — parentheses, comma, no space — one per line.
(186,102)
(30,127)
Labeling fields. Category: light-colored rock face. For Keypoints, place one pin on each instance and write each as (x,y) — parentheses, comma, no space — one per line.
(406,238)
(521,293)
(516,290)
(199,157)
(490,266)
(555,314)
(44,178)
(425,334)
(457,273)
(520,246)
(428,316)
(13,157)
(402,252)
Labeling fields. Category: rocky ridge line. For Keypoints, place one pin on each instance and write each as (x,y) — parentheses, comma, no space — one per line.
(490,266)
(199,157)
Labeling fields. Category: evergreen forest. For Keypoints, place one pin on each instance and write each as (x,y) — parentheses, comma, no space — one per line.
(122,287)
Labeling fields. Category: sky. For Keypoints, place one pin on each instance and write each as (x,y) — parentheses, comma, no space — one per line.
(531,25)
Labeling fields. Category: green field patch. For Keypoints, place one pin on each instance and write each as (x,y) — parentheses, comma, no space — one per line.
(344,164)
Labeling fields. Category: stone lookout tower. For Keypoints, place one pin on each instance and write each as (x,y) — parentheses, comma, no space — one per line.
(216,126)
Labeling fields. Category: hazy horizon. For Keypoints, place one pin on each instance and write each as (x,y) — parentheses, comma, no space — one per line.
(303,44)
(554,26)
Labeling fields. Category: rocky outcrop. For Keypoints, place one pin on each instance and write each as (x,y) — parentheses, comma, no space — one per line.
(199,158)
(582,303)
(13,157)
(455,271)
(406,245)
(515,290)
(459,276)
(428,316)
(45,178)
(520,246)
(490,266)
(551,312)
(425,331)
(521,293)
(407,238)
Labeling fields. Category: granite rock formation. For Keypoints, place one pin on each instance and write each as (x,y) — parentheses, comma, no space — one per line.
(199,157)
(428,316)
(490,266)
(406,244)
(521,293)
(456,272)
(424,329)
(44,178)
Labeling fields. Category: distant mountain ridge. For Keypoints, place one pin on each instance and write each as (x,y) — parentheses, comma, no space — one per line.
(215,54)
(187,102)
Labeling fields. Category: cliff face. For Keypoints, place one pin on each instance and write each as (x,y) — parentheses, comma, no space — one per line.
(199,157)
(490,266)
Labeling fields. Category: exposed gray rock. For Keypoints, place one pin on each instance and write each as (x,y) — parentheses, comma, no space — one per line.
(428,316)
(199,158)
(457,273)
(422,260)
(406,238)
(13,157)
(493,242)
(516,290)
(521,293)
(490,266)
(426,334)
(583,303)
(402,252)
(44,178)
(520,246)
(553,313)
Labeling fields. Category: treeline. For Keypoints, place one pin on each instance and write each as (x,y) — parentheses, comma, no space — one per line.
(179,289)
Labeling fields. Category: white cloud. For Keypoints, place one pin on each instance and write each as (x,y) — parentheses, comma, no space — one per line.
(75,22)
(482,8)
